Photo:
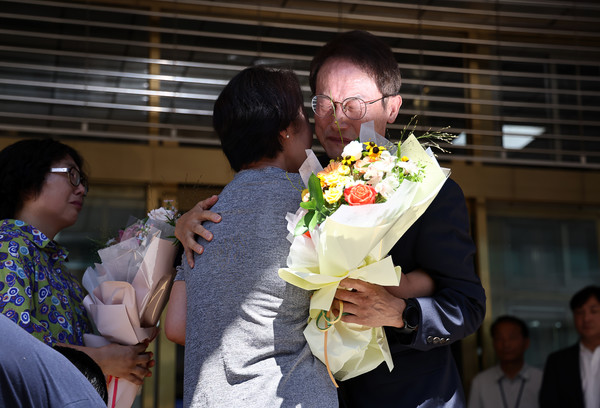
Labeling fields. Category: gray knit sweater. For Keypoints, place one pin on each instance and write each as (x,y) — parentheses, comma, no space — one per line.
(244,341)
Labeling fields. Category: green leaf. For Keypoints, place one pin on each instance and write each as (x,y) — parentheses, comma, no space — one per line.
(308,218)
(314,221)
(314,188)
(300,228)
(309,205)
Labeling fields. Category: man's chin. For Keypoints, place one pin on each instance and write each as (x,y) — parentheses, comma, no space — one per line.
(334,148)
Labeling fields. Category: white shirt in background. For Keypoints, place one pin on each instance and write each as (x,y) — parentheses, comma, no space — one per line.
(589,366)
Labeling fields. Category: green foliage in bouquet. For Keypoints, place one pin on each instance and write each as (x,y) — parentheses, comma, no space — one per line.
(316,207)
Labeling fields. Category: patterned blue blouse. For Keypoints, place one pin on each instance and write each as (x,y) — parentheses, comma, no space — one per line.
(36,290)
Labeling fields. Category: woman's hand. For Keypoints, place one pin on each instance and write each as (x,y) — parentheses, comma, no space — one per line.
(131,363)
(413,285)
(190,224)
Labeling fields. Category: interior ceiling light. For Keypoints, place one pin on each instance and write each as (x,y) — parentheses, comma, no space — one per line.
(519,136)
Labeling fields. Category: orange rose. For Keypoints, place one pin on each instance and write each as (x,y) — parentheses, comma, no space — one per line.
(360,194)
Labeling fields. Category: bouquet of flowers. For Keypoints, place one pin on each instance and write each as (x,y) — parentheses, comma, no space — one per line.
(128,290)
(353,213)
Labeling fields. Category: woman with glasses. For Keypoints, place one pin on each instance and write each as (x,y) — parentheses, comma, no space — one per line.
(43,189)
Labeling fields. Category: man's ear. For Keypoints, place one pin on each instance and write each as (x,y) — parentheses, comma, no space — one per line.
(393,107)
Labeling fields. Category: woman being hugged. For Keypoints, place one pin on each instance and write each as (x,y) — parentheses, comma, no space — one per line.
(43,188)
(244,342)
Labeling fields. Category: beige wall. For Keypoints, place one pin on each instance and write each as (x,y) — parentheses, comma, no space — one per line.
(156,164)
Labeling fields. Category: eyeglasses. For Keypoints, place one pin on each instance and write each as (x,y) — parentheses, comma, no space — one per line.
(75,177)
(354,108)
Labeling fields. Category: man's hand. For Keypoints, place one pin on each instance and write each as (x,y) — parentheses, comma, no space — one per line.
(190,224)
(368,304)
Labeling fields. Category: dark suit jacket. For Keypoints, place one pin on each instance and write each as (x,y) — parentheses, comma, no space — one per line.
(425,373)
(561,384)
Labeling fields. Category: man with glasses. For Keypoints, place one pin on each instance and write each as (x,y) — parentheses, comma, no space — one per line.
(355,79)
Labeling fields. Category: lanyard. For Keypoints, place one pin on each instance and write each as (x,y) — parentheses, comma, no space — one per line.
(518,396)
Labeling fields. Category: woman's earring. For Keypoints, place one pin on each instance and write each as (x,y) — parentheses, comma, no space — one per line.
(287,136)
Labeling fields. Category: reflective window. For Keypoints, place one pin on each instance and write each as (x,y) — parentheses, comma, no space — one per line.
(536,265)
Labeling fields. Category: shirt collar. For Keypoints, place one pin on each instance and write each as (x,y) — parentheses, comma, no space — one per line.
(583,350)
(36,236)
(524,373)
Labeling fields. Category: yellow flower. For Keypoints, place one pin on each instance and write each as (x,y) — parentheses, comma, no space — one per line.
(334,174)
(348,160)
(305,195)
(325,174)
(333,194)
(374,150)
(344,170)
(334,179)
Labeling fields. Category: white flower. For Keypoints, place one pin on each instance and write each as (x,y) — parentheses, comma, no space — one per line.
(373,175)
(353,149)
(379,169)
(355,183)
(161,214)
(409,167)
(385,163)
(387,186)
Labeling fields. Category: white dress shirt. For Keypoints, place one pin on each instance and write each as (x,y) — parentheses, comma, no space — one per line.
(589,366)
(492,389)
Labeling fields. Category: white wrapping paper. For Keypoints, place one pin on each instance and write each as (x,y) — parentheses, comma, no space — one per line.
(354,242)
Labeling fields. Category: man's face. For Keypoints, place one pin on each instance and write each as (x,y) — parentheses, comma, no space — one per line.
(341,79)
(509,343)
(587,321)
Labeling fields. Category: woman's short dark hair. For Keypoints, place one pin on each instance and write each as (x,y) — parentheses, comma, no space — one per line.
(252,109)
(365,50)
(510,319)
(88,367)
(23,169)
(584,295)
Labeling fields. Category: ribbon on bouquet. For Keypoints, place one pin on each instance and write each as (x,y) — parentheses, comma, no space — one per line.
(329,324)
(344,359)
(114,381)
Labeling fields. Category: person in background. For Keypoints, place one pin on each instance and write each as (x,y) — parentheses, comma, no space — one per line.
(357,74)
(512,382)
(43,188)
(572,375)
(34,375)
